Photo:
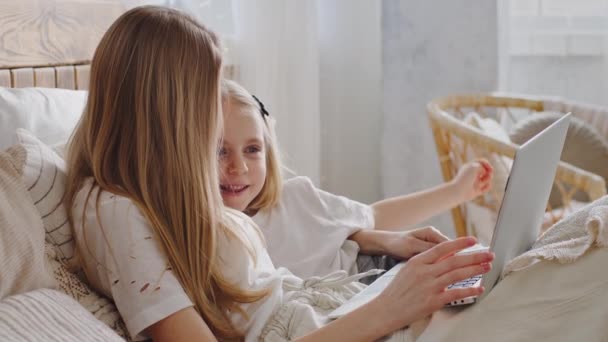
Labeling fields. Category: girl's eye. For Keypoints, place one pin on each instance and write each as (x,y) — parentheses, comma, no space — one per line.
(253,149)
(222,152)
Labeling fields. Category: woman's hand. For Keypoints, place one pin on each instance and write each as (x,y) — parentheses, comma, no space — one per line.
(420,287)
(473,179)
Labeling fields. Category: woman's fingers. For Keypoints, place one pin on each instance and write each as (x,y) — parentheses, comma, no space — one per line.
(445,249)
(459,261)
(463,273)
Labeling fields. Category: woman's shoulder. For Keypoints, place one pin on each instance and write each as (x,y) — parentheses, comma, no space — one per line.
(92,194)
(94,206)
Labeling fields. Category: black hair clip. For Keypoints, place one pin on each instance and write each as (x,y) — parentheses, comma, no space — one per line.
(262,108)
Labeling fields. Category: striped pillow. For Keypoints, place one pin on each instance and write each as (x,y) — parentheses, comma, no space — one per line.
(49,315)
(44,175)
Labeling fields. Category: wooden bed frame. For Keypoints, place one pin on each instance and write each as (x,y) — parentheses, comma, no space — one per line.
(50,43)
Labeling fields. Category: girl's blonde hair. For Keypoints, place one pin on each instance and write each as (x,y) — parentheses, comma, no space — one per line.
(150,132)
(240,98)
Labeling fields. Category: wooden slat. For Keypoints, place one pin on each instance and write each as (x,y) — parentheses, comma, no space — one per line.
(45,77)
(66,77)
(83,73)
(23,77)
(5,78)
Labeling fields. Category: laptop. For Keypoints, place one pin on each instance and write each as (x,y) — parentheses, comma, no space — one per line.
(519,218)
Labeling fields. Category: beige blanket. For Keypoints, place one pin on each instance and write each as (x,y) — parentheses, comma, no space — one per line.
(22,258)
(558,291)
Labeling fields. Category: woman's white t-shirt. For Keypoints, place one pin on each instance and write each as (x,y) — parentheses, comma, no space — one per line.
(307,231)
(124,261)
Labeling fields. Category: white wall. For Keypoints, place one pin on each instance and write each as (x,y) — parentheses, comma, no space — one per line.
(430,49)
(351,93)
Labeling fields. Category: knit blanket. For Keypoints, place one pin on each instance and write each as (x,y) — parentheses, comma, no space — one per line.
(568,239)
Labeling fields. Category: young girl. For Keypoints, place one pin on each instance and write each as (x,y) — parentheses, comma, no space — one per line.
(147,214)
(312,232)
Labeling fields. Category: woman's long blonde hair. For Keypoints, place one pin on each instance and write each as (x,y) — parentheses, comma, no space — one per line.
(150,132)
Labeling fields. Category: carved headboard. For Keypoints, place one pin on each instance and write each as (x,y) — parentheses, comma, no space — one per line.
(49,43)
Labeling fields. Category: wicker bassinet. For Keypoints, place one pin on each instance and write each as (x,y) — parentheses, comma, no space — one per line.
(458,142)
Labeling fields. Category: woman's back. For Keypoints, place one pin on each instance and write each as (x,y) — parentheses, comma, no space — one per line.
(123,260)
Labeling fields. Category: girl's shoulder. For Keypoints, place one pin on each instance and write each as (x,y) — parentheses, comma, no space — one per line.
(299,195)
(299,185)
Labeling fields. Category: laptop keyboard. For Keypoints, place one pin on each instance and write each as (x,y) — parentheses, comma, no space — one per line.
(465,283)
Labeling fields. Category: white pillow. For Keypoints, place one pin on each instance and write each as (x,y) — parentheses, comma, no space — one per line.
(50,114)
(489,126)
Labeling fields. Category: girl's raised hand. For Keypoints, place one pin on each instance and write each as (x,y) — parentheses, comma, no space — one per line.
(474,179)
(420,287)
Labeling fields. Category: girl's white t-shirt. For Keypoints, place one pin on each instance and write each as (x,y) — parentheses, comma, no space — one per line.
(307,231)
(123,259)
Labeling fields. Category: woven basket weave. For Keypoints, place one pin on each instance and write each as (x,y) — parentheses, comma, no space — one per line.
(457,142)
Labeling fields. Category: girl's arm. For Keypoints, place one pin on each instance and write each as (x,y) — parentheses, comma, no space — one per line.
(397,213)
(184,325)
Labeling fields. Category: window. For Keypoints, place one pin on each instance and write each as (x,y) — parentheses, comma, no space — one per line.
(555,47)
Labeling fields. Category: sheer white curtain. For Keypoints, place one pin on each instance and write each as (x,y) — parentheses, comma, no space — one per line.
(277,54)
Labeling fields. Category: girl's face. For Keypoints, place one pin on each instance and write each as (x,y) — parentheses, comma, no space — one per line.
(242,156)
